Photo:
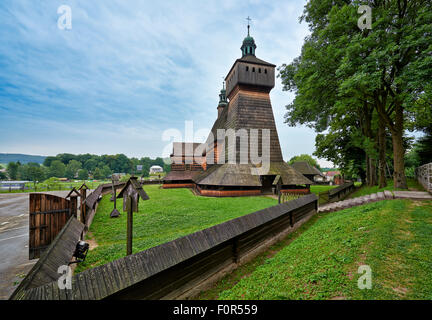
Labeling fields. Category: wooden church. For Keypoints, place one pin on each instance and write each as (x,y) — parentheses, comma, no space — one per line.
(244,105)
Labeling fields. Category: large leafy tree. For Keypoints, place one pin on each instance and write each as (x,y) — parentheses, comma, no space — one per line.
(378,76)
(72,169)
(12,170)
(57,169)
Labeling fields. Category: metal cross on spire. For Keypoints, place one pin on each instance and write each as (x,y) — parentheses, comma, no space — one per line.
(248,20)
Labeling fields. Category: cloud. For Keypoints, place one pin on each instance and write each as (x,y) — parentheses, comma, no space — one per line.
(128,70)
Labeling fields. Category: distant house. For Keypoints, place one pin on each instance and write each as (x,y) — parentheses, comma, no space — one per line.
(334,176)
(13,185)
(307,170)
(156,169)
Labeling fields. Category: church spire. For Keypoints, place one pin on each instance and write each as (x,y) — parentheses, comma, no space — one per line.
(222,100)
(249,46)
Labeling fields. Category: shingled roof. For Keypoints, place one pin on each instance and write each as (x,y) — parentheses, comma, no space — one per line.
(305,168)
(241,175)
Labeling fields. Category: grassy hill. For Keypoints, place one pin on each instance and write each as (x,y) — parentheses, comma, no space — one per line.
(5,158)
(321,260)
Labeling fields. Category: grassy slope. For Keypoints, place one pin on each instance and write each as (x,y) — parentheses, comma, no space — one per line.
(393,237)
(168,215)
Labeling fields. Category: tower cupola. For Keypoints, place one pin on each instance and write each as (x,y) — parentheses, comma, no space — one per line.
(222,100)
(248,47)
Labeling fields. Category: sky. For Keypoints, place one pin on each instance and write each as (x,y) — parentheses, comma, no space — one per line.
(128,71)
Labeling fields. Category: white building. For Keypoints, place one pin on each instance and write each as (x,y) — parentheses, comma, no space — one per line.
(156,169)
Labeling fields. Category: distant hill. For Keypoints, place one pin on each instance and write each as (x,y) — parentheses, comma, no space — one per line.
(23,158)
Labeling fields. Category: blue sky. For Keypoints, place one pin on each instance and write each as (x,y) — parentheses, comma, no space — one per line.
(129,70)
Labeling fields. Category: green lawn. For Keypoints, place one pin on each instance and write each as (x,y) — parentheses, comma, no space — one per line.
(168,215)
(321,260)
(365,190)
(321,188)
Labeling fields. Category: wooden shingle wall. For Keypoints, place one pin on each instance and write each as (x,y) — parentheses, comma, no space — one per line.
(176,268)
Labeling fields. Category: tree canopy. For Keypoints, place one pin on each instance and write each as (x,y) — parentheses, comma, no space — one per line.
(360,89)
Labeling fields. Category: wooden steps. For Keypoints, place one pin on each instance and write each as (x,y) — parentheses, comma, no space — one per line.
(386,195)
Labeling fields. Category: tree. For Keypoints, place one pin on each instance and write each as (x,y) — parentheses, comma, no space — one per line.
(98,174)
(90,165)
(57,169)
(305,157)
(106,171)
(48,160)
(82,174)
(345,75)
(35,174)
(72,169)
(12,170)
(424,148)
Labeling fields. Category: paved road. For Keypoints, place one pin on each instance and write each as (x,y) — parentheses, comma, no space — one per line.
(14,236)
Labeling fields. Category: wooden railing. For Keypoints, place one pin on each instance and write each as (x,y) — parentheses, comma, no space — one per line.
(336,194)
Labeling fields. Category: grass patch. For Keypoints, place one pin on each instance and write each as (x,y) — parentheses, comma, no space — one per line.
(365,190)
(168,215)
(321,188)
(393,237)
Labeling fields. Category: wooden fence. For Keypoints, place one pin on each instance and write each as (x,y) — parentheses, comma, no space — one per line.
(48,215)
(424,176)
(182,267)
(336,194)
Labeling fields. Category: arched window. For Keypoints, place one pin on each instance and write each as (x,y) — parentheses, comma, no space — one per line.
(253,69)
(265,71)
(259,70)
(247,68)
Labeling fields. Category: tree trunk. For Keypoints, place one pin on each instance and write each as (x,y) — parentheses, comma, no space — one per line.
(399,177)
(367,170)
(372,172)
(382,153)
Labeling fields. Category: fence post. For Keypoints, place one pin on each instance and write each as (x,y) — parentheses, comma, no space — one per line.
(129,225)
(82,205)
(74,205)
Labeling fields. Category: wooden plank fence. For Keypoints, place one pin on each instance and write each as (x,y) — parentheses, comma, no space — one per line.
(182,267)
(48,215)
(336,194)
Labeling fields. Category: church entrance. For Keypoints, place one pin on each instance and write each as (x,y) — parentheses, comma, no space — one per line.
(267,184)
